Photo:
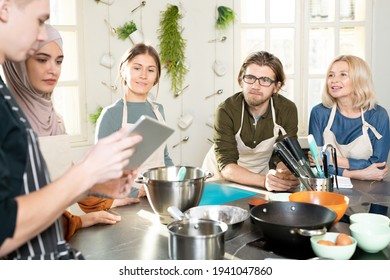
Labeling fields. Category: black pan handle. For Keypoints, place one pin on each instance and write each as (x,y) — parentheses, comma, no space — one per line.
(286,157)
(296,150)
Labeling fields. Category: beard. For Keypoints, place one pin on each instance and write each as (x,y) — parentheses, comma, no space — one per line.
(256,100)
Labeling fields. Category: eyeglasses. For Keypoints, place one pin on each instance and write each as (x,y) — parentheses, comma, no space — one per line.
(263,81)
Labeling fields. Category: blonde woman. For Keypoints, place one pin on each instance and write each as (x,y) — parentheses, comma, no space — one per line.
(350,119)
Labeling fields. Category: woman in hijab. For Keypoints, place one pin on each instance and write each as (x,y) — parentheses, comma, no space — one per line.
(32,82)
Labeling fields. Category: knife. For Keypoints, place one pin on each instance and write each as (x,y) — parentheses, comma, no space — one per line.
(290,162)
(296,150)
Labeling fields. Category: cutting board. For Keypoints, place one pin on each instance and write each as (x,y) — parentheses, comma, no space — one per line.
(216,194)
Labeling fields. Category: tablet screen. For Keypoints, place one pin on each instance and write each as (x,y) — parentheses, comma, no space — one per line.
(154,134)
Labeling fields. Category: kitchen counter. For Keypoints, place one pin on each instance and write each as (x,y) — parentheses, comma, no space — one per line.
(141,236)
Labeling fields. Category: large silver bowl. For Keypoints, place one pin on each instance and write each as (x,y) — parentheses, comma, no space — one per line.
(233,216)
(163,189)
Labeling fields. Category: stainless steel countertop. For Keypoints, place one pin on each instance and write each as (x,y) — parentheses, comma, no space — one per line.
(141,236)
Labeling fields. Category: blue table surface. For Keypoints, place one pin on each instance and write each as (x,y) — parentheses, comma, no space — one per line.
(216,194)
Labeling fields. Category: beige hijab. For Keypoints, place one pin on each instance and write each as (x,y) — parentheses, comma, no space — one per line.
(36,105)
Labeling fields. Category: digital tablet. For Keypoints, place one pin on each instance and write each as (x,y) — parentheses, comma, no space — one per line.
(154,134)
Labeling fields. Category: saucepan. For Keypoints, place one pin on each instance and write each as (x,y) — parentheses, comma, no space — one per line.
(291,224)
(195,239)
(233,216)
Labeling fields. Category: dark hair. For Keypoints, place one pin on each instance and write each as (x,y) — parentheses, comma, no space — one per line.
(264,58)
(137,50)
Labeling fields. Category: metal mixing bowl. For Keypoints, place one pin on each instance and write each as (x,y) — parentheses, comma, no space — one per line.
(163,189)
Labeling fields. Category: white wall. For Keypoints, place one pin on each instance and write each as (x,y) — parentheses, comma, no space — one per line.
(198,21)
(381,53)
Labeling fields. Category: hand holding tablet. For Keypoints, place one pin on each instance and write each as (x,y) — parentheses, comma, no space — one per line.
(154,134)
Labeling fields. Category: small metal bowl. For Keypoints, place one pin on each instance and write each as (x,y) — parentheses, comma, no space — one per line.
(233,216)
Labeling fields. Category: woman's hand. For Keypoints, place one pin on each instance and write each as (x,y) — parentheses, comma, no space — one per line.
(376,172)
(99,217)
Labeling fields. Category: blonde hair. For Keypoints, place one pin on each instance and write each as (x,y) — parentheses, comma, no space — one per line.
(362,84)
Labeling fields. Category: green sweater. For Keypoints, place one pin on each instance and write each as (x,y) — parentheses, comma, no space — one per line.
(228,122)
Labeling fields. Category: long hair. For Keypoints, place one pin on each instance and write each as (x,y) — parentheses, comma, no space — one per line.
(133,52)
(362,84)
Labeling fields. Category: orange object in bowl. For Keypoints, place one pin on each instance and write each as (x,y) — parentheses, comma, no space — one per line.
(336,202)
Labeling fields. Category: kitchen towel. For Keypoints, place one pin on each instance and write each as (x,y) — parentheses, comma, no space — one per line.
(216,194)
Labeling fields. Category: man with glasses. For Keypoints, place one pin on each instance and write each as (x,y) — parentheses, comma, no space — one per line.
(248,123)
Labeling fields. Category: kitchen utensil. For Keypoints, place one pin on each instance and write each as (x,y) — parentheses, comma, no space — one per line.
(296,150)
(372,238)
(185,120)
(326,155)
(332,252)
(112,29)
(185,139)
(290,162)
(222,39)
(290,224)
(233,216)
(314,152)
(181,173)
(164,190)
(220,91)
(143,3)
(334,201)
(181,91)
(112,87)
(196,239)
(369,218)
(219,68)
(317,184)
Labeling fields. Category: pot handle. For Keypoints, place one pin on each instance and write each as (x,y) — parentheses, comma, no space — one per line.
(313,232)
(176,213)
(208,174)
(141,180)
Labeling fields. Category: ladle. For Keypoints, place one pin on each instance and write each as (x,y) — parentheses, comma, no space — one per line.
(220,91)
(185,139)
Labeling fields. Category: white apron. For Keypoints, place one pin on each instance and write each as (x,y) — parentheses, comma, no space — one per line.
(157,158)
(57,154)
(360,148)
(255,160)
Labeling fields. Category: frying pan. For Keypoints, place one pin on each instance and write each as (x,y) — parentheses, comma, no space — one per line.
(290,224)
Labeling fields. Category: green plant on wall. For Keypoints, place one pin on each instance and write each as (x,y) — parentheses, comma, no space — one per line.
(172,47)
(94,117)
(126,29)
(225,16)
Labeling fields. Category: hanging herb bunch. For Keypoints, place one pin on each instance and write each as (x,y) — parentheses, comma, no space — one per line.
(225,16)
(126,29)
(94,117)
(172,47)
